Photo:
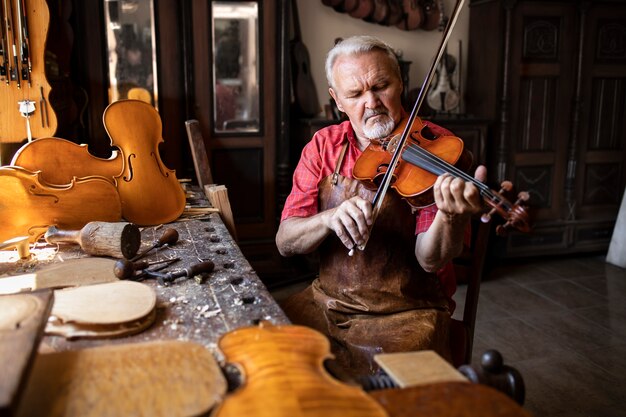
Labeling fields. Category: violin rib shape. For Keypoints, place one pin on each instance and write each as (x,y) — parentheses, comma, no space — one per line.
(28,205)
(150,192)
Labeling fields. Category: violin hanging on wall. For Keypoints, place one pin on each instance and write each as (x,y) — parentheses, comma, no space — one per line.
(444,96)
(24,89)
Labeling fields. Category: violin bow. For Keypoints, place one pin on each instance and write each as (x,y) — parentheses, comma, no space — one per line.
(27,66)
(395,158)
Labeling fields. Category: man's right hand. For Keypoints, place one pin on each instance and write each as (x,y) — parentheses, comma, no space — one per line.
(350,221)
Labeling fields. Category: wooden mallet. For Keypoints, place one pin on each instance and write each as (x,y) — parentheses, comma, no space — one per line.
(118,239)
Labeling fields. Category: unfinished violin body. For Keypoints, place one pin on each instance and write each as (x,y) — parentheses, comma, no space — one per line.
(25,111)
(29,206)
(283,375)
(60,161)
(149,192)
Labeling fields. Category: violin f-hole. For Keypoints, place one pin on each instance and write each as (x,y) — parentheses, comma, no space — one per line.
(129,177)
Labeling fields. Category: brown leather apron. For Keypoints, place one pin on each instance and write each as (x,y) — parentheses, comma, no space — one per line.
(378,301)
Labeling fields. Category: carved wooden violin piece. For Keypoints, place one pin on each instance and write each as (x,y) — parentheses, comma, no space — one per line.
(28,205)
(149,192)
(24,89)
(60,161)
(283,375)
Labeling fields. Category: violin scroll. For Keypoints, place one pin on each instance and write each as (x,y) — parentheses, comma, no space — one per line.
(516,215)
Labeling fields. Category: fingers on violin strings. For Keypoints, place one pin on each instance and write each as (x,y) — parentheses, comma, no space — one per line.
(481,173)
(448,186)
(472,196)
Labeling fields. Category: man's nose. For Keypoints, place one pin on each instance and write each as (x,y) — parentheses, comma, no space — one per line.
(371,99)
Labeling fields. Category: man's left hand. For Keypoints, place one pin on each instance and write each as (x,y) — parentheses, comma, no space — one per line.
(455,196)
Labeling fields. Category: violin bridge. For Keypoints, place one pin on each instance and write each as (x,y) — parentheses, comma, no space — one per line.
(26,108)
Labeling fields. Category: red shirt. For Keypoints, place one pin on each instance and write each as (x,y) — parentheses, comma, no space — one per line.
(318,161)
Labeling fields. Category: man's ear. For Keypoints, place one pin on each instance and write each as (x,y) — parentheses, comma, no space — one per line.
(334,96)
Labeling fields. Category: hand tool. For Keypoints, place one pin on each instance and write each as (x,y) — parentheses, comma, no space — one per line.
(125,269)
(196,269)
(117,239)
(169,237)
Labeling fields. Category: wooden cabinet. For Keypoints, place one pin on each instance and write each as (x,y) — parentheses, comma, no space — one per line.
(552,77)
(474,133)
(247,150)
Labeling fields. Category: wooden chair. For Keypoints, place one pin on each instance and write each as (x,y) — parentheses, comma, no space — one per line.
(217,194)
(469,269)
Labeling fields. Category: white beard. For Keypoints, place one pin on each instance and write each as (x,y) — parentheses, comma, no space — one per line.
(380,129)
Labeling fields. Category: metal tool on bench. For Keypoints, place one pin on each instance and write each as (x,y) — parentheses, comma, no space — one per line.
(125,269)
(169,237)
(189,272)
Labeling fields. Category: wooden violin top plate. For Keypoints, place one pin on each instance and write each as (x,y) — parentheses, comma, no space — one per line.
(73,331)
(109,303)
(165,378)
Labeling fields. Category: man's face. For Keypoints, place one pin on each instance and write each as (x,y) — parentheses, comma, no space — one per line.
(368,90)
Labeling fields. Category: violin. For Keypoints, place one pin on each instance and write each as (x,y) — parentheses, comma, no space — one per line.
(433,13)
(412,17)
(150,193)
(423,159)
(25,110)
(411,181)
(410,163)
(444,97)
(283,375)
(29,205)
(60,160)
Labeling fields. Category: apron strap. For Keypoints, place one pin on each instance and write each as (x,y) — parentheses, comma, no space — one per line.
(335,176)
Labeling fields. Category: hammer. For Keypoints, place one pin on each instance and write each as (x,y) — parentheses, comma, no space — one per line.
(100,238)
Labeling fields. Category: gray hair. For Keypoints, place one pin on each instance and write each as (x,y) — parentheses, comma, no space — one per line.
(356,45)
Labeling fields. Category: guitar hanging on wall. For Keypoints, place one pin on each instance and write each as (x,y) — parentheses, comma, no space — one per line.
(25,112)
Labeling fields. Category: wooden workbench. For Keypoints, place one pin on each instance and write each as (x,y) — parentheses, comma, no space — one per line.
(232,296)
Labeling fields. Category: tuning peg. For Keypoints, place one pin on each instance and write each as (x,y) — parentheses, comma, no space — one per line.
(522,197)
(506,187)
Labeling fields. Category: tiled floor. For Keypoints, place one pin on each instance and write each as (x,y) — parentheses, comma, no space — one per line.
(562,324)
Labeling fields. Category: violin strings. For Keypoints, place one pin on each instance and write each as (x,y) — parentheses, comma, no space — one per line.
(426,160)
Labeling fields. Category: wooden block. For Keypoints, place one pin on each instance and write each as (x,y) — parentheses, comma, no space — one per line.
(198,153)
(165,378)
(22,320)
(218,197)
(73,272)
(409,369)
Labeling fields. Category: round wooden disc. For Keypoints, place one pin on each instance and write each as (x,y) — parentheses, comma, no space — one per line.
(110,303)
(16,309)
(72,331)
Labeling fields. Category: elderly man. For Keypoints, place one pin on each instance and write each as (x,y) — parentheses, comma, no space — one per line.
(389,296)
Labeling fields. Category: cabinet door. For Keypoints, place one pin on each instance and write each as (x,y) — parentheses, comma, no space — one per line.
(543,65)
(600,173)
(235,102)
